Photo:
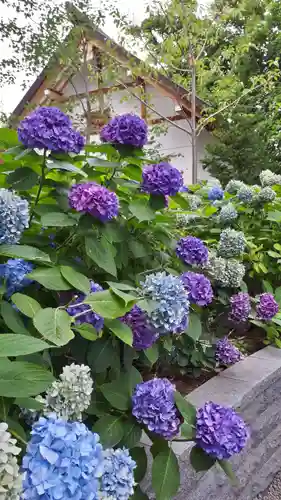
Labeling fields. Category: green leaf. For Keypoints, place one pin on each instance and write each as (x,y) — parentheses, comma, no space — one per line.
(187,410)
(9,137)
(187,431)
(17,431)
(106,304)
(27,305)
(110,430)
(125,297)
(12,344)
(132,433)
(101,355)
(76,279)
(199,460)
(165,475)
(12,318)
(138,493)
(194,329)
(274,216)
(24,252)
(158,446)
(29,403)
(98,162)
(139,455)
(157,202)
(181,201)
(87,331)
(22,179)
(134,378)
(117,394)
(5,405)
(227,469)
(50,278)
(141,210)
(139,250)
(54,325)
(23,379)
(63,165)
(121,286)
(101,252)
(122,331)
(57,219)
(152,353)
(277,295)
(267,286)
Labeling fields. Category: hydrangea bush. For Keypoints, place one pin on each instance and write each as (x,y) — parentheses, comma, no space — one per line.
(105,277)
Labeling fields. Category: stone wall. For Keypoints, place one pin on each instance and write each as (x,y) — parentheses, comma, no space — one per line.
(253,386)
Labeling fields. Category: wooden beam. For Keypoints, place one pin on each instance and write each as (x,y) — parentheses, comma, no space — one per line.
(173,118)
(143,106)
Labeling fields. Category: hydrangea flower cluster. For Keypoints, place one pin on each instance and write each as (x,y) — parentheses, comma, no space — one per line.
(240,307)
(128,129)
(144,334)
(14,217)
(226,353)
(266,195)
(267,307)
(192,251)
(245,194)
(215,193)
(199,288)
(63,460)
(94,199)
(13,273)
(184,219)
(233,186)
(268,178)
(154,406)
(194,201)
(220,431)
(10,479)
(161,179)
(89,316)
(117,481)
(71,395)
(228,214)
(170,314)
(49,128)
(232,243)
(227,273)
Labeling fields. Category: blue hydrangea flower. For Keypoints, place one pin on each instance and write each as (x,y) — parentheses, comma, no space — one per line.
(89,316)
(13,273)
(228,214)
(170,314)
(14,217)
(118,477)
(63,460)
(215,193)
(192,251)
(161,179)
(245,194)
(49,128)
(126,129)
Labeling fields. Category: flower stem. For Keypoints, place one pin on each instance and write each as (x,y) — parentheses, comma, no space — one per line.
(41,184)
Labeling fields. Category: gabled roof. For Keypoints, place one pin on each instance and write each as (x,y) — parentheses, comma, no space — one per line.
(104,43)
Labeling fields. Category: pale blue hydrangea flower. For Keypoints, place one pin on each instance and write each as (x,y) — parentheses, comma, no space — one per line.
(194,201)
(14,217)
(245,194)
(232,243)
(10,479)
(228,214)
(268,178)
(228,273)
(170,314)
(118,477)
(233,186)
(265,195)
(186,219)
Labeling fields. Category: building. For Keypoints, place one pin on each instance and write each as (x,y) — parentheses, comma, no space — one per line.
(96,93)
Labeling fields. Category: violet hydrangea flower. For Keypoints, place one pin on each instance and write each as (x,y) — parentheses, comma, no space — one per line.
(220,431)
(49,128)
(154,406)
(215,193)
(226,353)
(90,316)
(14,217)
(117,481)
(63,460)
(94,199)
(267,307)
(144,334)
(192,251)
(126,129)
(13,273)
(199,288)
(161,179)
(240,307)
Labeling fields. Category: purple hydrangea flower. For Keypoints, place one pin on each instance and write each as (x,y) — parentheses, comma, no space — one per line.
(126,129)
(192,251)
(226,353)
(14,275)
(240,307)
(267,307)
(144,334)
(220,431)
(162,178)
(63,460)
(94,199)
(199,288)
(215,193)
(90,316)
(49,128)
(154,406)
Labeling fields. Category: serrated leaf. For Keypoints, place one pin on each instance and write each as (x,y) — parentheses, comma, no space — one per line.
(23,379)
(50,278)
(76,279)
(101,252)
(54,325)
(141,210)
(106,304)
(27,305)
(194,329)
(117,394)
(165,475)
(121,330)
(63,165)
(87,331)
(125,297)
(132,433)
(24,252)
(101,355)
(12,344)
(22,178)
(12,318)
(110,430)
(29,403)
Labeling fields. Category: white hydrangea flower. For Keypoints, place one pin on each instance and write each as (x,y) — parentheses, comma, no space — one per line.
(268,178)
(266,195)
(10,479)
(228,213)
(194,201)
(70,396)
(227,273)
(185,219)
(232,243)
(233,186)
